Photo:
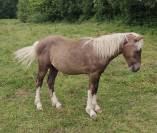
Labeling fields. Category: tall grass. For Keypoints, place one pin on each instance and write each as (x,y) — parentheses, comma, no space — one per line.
(128,100)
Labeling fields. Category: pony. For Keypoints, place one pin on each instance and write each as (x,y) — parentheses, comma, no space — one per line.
(88,56)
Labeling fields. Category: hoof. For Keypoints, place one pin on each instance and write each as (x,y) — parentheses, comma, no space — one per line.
(98,111)
(58,106)
(91,113)
(93,116)
(39,107)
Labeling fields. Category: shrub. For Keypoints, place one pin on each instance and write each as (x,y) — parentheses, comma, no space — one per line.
(8,8)
(131,11)
(23,10)
(48,10)
(87,9)
(103,10)
(139,11)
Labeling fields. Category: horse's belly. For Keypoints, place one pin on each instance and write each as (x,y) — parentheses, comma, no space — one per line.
(70,60)
(68,66)
(69,70)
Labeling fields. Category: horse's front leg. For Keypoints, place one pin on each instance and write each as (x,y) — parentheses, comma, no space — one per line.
(95,104)
(92,106)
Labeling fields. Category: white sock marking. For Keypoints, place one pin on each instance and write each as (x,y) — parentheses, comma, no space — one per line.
(95,104)
(55,101)
(37,99)
(89,107)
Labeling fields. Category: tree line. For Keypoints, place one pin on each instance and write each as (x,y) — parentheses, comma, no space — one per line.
(129,11)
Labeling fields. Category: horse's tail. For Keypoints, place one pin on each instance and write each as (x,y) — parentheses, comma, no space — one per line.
(26,55)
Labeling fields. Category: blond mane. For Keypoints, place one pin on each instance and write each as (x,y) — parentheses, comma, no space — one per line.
(108,45)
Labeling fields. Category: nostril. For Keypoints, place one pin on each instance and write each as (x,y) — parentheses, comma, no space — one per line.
(131,67)
(136,67)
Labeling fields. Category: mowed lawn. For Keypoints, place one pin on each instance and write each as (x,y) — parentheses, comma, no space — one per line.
(128,100)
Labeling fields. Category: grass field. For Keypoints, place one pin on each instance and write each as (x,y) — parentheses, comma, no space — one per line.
(128,100)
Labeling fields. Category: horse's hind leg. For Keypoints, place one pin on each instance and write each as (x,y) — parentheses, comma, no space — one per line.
(50,81)
(42,70)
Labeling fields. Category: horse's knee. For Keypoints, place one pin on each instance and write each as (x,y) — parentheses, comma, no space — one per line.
(39,79)
(51,78)
(39,83)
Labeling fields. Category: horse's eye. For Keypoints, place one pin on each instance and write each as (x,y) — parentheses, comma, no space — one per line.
(137,51)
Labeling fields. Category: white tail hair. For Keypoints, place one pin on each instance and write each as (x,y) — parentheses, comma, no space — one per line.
(26,55)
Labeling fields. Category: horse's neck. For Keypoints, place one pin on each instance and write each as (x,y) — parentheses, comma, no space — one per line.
(115,54)
(84,40)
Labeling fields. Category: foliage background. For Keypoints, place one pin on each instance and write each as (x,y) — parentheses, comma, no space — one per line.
(8,8)
(129,11)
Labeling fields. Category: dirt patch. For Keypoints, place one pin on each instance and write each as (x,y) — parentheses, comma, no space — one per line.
(23,93)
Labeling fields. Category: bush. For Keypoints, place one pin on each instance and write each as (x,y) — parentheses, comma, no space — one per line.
(8,8)
(131,11)
(23,10)
(103,10)
(87,9)
(48,10)
(52,9)
(140,12)
(74,10)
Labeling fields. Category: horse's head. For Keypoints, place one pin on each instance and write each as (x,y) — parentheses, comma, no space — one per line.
(132,51)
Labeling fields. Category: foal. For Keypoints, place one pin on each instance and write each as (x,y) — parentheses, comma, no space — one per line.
(85,56)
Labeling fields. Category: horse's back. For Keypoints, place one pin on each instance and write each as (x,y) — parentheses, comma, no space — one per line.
(67,55)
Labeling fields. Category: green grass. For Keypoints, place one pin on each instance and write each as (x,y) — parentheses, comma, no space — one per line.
(128,100)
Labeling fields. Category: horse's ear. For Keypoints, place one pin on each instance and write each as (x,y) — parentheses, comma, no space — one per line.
(138,38)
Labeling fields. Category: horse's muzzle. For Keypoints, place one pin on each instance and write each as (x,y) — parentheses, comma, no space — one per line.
(135,67)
